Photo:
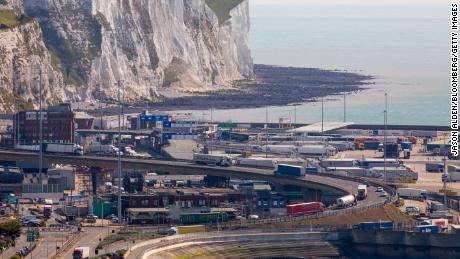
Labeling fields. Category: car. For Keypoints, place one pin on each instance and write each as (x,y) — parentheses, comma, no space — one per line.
(379,189)
(383,194)
(412,209)
(111,216)
(114,220)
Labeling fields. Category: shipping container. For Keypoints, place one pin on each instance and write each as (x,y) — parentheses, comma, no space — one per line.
(371,145)
(392,150)
(406,145)
(304,208)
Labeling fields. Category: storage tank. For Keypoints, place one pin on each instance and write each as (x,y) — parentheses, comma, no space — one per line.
(345,201)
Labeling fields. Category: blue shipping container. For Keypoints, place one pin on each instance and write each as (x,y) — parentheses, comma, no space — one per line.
(371,145)
(406,145)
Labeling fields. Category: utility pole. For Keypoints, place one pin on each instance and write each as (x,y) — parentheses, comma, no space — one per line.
(212,134)
(344,108)
(266,131)
(385,139)
(445,173)
(295,116)
(40,162)
(119,83)
(322,115)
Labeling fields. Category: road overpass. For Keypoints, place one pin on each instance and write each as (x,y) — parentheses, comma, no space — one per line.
(317,182)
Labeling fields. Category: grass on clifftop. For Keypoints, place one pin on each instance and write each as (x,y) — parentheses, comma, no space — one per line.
(222,8)
(9,19)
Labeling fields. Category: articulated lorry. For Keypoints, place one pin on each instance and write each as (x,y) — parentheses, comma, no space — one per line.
(290,170)
(97,147)
(346,201)
(207,159)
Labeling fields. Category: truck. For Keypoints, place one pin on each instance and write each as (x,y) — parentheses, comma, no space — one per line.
(191,229)
(279,148)
(47,210)
(290,170)
(63,148)
(80,252)
(362,192)
(206,159)
(346,201)
(434,167)
(412,193)
(302,209)
(97,147)
(451,177)
(317,150)
(263,163)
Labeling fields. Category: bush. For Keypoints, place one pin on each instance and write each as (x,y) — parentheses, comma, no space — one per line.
(11,228)
(15,256)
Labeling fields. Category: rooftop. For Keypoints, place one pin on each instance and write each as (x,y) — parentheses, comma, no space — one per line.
(317,127)
(148,210)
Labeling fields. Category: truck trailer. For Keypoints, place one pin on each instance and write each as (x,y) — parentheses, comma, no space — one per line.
(97,147)
(412,193)
(290,170)
(63,148)
(346,201)
(207,159)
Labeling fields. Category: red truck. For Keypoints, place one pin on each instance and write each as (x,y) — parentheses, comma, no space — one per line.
(307,208)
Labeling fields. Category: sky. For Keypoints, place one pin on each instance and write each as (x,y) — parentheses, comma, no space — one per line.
(349,2)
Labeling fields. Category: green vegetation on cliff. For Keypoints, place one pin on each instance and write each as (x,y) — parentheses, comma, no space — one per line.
(9,19)
(222,8)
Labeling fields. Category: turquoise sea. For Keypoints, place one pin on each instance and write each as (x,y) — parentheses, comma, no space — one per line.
(406,47)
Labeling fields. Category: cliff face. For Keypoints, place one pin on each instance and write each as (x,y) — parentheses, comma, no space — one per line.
(154,47)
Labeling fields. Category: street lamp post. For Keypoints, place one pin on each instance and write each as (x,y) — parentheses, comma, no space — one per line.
(119,83)
(40,162)
(385,118)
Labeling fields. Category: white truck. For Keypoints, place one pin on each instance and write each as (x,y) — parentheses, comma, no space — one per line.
(265,163)
(346,201)
(279,148)
(80,252)
(63,148)
(451,177)
(97,147)
(207,159)
(317,150)
(412,193)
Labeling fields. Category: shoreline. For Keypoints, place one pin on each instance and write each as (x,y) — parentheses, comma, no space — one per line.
(272,86)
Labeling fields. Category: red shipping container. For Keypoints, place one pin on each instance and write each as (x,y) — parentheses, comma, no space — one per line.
(304,208)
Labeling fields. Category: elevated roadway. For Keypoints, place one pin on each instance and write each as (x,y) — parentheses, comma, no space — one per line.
(318,182)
